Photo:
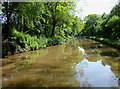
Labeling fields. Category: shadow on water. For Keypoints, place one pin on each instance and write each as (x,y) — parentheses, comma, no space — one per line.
(112,54)
(96,45)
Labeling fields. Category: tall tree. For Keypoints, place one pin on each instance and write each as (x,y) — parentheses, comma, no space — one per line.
(8,11)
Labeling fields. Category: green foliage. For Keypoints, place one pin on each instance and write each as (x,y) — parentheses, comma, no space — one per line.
(28,42)
(54,41)
(91,21)
(115,11)
(114,25)
(106,26)
(113,43)
(34,25)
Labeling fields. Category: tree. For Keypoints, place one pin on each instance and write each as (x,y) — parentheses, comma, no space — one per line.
(8,12)
(91,21)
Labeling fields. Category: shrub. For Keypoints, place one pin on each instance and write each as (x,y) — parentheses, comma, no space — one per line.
(28,42)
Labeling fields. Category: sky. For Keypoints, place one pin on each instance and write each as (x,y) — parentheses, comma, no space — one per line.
(86,7)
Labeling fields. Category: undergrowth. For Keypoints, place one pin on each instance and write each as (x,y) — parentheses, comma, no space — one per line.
(21,42)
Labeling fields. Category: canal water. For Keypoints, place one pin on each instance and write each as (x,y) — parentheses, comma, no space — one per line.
(79,63)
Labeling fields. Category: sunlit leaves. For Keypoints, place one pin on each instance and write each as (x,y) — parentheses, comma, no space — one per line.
(91,21)
(115,11)
(113,21)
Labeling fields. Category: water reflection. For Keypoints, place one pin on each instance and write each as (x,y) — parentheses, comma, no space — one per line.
(95,74)
(74,64)
(5,79)
(81,50)
(112,54)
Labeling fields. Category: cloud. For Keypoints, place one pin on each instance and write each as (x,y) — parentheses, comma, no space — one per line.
(87,7)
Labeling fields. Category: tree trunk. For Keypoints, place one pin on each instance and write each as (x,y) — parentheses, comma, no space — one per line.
(53,30)
(8,14)
(54,21)
(22,24)
(7,29)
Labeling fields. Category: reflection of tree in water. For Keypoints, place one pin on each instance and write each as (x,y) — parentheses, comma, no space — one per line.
(113,63)
(68,55)
(71,52)
(79,75)
(77,68)
(28,58)
(93,55)
(109,56)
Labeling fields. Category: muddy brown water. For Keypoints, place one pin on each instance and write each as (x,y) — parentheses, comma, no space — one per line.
(79,63)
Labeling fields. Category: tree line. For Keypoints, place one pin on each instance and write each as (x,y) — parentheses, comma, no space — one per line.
(105,25)
(34,25)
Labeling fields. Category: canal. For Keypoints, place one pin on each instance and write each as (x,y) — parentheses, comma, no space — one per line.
(79,63)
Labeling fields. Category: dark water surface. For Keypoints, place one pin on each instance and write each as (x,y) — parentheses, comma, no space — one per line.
(80,63)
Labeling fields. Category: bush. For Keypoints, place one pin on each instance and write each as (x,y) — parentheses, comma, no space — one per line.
(28,42)
(21,42)
(57,40)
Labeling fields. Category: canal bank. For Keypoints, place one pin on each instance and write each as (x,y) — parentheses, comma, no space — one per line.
(112,43)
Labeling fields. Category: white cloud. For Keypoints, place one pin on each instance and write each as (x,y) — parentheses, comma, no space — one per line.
(85,7)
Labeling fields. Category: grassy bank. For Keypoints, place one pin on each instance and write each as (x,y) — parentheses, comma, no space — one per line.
(21,42)
(113,43)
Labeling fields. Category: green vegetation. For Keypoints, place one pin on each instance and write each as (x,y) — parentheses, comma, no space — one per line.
(34,25)
(113,43)
(104,28)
